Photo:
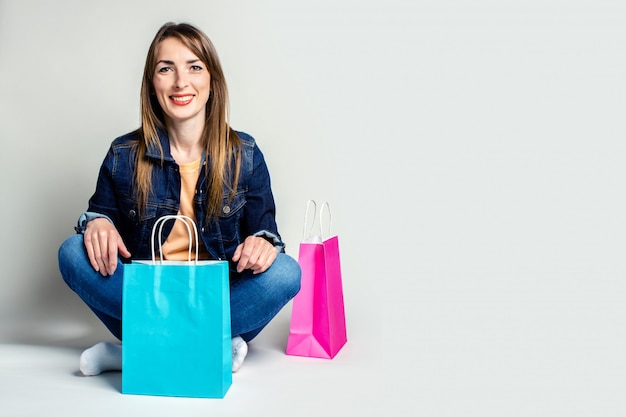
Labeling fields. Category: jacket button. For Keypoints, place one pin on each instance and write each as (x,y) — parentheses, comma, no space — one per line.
(226,209)
(132,214)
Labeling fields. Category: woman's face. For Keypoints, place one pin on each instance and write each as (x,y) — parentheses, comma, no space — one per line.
(181,81)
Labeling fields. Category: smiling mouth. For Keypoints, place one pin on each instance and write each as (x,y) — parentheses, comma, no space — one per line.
(181,100)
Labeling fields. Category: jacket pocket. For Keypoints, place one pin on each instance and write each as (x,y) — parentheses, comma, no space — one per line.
(230,218)
(136,227)
(130,211)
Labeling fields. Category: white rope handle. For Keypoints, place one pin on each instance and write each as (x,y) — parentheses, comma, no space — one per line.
(161,222)
(306,216)
(330,219)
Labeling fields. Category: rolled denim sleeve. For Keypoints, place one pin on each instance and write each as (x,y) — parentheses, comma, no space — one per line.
(260,209)
(86,217)
(272,238)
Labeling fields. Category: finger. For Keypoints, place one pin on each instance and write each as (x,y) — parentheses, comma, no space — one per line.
(269,260)
(272,257)
(97,253)
(90,253)
(112,258)
(246,259)
(243,262)
(103,240)
(259,255)
(265,255)
(123,250)
(237,253)
(260,261)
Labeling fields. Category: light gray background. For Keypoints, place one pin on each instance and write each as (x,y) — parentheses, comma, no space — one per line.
(472,152)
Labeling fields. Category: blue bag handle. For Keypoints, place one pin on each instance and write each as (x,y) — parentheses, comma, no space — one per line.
(161,222)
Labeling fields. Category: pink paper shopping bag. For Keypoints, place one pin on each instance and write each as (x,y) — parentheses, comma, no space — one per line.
(318,322)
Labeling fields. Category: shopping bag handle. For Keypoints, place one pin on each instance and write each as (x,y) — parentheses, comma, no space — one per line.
(330,219)
(307,232)
(161,222)
(306,217)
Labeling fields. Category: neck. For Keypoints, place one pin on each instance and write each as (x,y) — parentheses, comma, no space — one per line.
(185,141)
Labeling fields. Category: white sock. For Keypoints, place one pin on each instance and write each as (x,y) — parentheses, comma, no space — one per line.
(240,350)
(101,357)
(105,356)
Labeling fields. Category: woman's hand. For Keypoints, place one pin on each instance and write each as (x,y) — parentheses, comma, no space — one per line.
(103,243)
(255,253)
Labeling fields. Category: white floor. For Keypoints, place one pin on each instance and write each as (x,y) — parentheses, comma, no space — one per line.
(452,348)
(41,378)
(483,346)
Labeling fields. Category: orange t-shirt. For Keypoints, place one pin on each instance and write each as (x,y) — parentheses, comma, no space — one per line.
(176,247)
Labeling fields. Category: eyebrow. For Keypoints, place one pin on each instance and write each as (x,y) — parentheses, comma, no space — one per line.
(168,62)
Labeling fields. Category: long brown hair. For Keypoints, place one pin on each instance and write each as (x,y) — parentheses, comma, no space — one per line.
(221,144)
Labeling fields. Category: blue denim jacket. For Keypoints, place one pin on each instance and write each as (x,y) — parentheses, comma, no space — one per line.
(250,212)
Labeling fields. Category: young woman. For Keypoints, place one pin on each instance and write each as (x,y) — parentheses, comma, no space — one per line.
(184,159)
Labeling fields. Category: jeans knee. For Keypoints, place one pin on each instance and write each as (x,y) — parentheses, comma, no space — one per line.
(292,274)
(69,252)
(69,245)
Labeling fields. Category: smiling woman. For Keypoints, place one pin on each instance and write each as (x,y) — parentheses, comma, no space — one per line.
(182,84)
(184,159)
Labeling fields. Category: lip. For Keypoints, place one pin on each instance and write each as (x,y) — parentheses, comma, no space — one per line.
(181,99)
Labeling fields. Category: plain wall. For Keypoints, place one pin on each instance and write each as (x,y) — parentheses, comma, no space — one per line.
(70,80)
(472,153)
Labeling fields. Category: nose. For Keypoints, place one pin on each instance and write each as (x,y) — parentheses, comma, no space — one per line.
(181,80)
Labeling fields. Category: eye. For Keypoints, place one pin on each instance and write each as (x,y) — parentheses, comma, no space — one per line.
(164,69)
(196,68)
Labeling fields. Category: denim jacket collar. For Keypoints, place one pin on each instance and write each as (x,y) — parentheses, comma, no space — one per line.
(153,150)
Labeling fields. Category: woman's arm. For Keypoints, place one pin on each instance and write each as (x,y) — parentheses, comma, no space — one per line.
(262,242)
(102,240)
(260,210)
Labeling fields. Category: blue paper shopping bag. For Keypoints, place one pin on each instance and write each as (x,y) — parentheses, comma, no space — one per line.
(176,326)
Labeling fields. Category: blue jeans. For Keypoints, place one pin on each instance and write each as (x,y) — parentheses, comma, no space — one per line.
(254,299)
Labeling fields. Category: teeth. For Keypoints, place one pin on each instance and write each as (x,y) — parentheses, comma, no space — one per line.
(181,99)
